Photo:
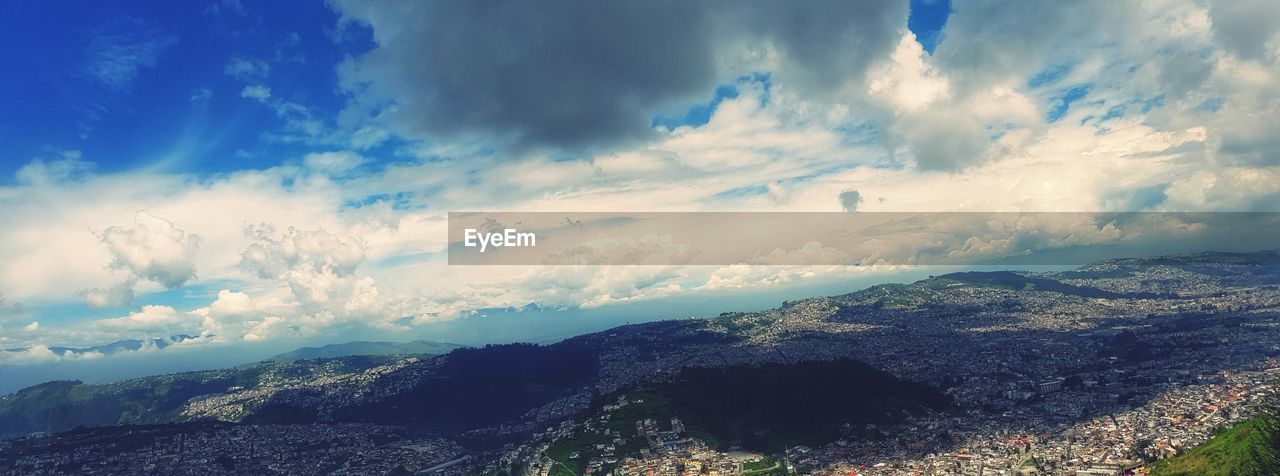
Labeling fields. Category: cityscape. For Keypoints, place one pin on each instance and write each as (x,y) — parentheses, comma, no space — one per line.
(1109,369)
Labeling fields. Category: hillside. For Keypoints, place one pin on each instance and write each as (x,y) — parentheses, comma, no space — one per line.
(63,405)
(465,389)
(1250,448)
(767,407)
(764,408)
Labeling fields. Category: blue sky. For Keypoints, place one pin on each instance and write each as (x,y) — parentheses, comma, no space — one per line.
(160,83)
(259,172)
(131,85)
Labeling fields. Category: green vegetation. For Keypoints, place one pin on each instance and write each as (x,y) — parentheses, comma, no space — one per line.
(564,450)
(1249,448)
(764,467)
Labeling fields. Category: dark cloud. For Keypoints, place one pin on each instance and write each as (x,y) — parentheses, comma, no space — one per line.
(577,74)
(823,44)
(849,200)
(1245,26)
(947,140)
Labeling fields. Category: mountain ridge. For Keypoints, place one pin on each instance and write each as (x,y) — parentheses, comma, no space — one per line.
(360,347)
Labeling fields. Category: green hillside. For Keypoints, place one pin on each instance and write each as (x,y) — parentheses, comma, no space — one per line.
(1250,448)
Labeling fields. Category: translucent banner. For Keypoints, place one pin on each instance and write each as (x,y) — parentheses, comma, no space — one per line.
(846,238)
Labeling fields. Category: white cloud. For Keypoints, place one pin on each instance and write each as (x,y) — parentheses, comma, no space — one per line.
(906,81)
(44,172)
(118,51)
(120,294)
(335,163)
(148,318)
(200,96)
(234,316)
(256,92)
(247,69)
(777,193)
(315,251)
(153,249)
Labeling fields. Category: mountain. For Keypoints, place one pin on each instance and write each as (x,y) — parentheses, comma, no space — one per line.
(127,345)
(417,347)
(1249,448)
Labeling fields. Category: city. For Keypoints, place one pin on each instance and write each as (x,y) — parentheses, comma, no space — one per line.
(1124,363)
(640,238)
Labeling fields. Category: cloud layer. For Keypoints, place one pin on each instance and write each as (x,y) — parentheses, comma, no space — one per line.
(1166,105)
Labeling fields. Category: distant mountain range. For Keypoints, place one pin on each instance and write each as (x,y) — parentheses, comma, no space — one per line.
(417,347)
(127,345)
(370,348)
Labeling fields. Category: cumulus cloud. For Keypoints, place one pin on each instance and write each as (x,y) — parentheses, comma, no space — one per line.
(234,315)
(319,271)
(316,251)
(905,80)
(153,249)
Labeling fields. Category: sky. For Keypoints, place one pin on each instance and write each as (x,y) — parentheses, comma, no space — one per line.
(267,173)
